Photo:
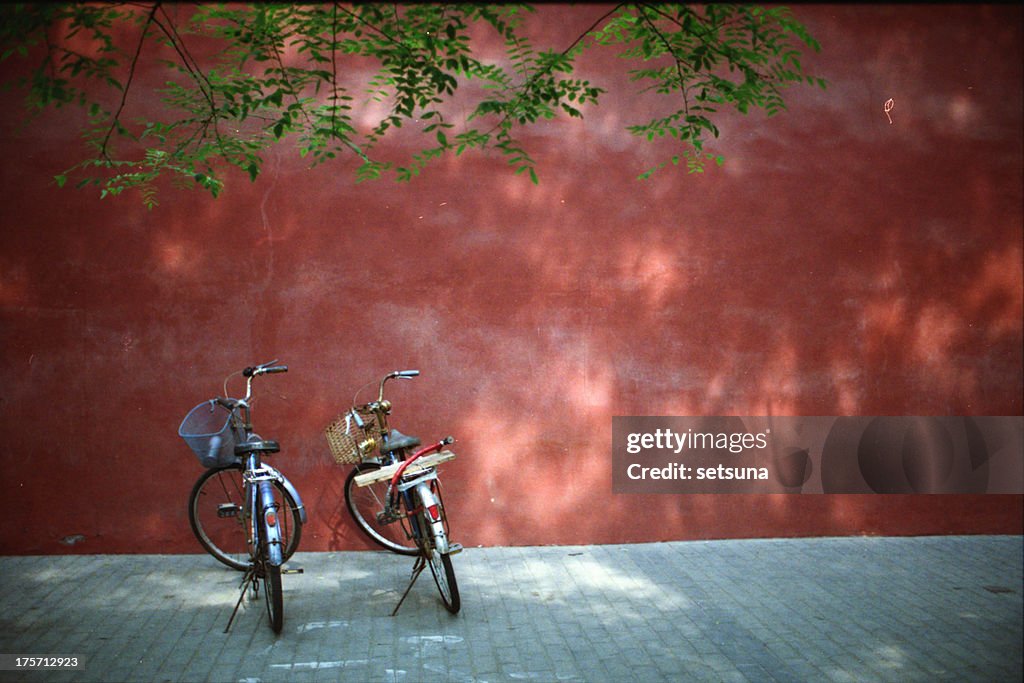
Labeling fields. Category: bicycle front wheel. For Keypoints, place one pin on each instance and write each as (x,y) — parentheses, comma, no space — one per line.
(216,512)
(364,502)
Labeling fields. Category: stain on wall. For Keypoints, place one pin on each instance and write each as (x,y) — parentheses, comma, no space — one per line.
(837,264)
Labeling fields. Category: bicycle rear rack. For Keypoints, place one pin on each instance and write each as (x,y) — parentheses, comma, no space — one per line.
(424,463)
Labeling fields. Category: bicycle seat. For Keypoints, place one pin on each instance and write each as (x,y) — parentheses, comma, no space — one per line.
(261,446)
(398,441)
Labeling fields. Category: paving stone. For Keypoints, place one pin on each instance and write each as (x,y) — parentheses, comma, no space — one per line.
(847,609)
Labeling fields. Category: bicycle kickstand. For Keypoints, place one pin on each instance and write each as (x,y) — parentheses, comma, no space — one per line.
(249,578)
(417,569)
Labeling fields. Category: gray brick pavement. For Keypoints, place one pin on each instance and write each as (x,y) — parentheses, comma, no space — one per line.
(842,609)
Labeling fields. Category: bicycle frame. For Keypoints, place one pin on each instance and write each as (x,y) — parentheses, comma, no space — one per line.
(431,504)
(263,527)
(424,490)
(261,474)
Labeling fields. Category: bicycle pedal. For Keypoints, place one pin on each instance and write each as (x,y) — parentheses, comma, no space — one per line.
(228,510)
(293,570)
(454,548)
(387,517)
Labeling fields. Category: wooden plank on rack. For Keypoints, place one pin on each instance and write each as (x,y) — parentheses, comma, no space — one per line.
(426,462)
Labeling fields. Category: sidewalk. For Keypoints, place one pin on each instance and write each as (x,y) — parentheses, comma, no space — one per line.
(842,609)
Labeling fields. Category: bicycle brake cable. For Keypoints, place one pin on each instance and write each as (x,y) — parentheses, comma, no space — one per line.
(359,391)
(226,379)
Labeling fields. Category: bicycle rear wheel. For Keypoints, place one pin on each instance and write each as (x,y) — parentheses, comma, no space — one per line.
(216,513)
(364,502)
(444,577)
(272,591)
(440,566)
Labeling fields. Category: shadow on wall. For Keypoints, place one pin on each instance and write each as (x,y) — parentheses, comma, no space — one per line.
(835,265)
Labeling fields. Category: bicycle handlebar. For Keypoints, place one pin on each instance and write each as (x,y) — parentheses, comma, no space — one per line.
(255,371)
(264,369)
(397,374)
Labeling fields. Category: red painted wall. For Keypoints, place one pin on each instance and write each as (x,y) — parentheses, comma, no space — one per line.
(836,265)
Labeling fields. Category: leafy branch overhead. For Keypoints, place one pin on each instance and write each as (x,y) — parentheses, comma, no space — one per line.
(340,79)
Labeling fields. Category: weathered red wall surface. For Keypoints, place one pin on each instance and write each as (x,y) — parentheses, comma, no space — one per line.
(836,265)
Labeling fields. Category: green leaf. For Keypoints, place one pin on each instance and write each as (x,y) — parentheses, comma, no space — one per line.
(275,70)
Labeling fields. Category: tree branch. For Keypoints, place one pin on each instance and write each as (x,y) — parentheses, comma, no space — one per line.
(530,83)
(675,58)
(128,83)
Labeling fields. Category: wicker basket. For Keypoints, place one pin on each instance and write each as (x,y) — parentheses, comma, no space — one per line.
(349,443)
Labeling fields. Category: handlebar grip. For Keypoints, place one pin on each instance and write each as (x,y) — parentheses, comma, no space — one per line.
(408,374)
(263,370)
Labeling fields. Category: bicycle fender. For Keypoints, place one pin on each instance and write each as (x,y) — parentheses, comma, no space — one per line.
(427,499)
(290,488)
(292,491)
(273,533)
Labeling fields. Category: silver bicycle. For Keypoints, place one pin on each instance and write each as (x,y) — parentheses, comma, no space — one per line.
(244,512)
